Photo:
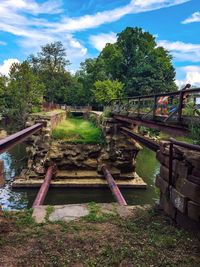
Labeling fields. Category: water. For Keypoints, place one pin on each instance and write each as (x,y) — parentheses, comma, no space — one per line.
(15,160)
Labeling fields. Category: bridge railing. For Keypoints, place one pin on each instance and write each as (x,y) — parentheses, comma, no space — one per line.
(177,106)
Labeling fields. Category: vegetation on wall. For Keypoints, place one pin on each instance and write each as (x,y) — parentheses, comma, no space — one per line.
(78,130)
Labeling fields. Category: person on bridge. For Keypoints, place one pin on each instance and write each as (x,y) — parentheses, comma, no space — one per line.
(162,105)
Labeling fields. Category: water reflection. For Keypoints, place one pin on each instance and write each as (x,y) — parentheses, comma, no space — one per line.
(15,160)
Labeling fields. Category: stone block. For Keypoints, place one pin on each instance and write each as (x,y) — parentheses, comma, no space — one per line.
(194,179)
(167,206)
(191,191)
(90,163)
(179,183)
(178,200)
(196,172)
(194,211)
(182,170)
(164,147)
(161,184)
(163,159)
(187,223)
(164,173)
(193,158)
(175,165)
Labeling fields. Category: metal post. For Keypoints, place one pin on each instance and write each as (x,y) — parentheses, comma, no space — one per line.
(154,107)
(138,111)
(44,188)
(180,107)
(113,186)
(170,163)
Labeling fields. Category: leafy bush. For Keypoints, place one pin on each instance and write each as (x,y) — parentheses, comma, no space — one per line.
(195,133)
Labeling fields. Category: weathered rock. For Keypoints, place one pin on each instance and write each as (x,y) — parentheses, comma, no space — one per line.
(194,211)
(178,200)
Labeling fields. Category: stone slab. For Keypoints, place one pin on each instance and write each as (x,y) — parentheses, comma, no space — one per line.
(137,182)
(90,174)
(194,211)
(71,212)
(191,190)
(178,200)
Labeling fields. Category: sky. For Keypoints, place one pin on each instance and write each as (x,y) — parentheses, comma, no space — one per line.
(85,26)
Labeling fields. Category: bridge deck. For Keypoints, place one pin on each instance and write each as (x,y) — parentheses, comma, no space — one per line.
(164,112)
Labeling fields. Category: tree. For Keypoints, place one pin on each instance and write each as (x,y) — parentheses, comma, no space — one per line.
(24,91)
(2,92)
(136,61)
(50,65)
(105,91)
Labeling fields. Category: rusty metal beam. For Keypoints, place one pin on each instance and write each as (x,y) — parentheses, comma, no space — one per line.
(141,139)
(39,200)
(10,141)
(185,145)
(170,129)
(113,186)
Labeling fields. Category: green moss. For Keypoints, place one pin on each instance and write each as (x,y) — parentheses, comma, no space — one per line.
(96,215)
(49,211)
(78,130)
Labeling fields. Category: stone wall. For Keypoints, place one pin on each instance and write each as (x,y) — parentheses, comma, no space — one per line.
(180,199)
(39,144)
(117,152)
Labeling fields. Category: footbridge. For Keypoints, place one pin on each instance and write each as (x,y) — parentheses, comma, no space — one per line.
(173,112)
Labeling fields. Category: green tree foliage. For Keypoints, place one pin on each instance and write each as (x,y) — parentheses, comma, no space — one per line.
(104,91)
(2,92)
(91,70)
(22,92)
(136,61)
(50,65)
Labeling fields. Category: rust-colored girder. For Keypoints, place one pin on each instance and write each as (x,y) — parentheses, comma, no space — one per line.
(113,186)
(174,130)
(141,139)
(39,200)
(13,139)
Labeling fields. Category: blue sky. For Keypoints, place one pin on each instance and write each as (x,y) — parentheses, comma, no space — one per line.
(84,27)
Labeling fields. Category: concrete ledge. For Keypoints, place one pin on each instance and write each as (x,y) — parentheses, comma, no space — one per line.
(96,182)
(75,211)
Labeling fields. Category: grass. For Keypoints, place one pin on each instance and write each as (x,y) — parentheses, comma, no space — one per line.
(78,130)
(186,139)
(96,215)
(145,239)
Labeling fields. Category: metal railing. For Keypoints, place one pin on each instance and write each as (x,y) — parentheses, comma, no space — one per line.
(166,107)
(15,138)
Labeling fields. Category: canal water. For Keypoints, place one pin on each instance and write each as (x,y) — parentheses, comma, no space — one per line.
(15,160)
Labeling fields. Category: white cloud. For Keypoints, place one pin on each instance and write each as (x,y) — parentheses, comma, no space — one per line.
(108,16)
(22,18)
(31,6)
(182,51)
(195,17)
(5,67)
(191,74)
(99,41)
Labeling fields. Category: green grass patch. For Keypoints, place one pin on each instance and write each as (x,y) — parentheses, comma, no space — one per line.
(96,215)
(78,130)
